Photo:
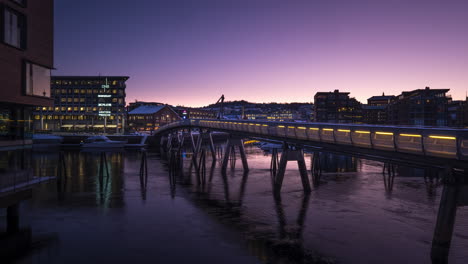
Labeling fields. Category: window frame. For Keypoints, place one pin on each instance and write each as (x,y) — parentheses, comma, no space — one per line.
(24,5)
(24,81)
(24,32)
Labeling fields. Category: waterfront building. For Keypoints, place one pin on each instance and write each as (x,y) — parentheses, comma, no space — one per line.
(26,48)
(421,107)
(458,113)
(375,111)
(337,107)
(84,104)
(151,117)
(137,104)
(282,115)
(195,113)
(254,114)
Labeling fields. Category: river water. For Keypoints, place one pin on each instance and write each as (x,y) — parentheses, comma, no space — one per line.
(125,217)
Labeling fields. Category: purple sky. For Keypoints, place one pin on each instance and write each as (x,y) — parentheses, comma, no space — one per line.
(189,52)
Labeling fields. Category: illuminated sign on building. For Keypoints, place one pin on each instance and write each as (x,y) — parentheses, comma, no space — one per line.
(104,113)
(105,86)
(104,95)
(106,104)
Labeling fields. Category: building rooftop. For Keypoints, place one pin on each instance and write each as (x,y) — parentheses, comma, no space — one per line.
(383,97)
(88,77)
(146,109)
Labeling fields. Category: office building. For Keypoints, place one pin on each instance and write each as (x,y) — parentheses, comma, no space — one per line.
(84,104)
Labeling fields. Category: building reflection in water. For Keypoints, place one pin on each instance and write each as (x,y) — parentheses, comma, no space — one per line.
(75,170)
(286,243)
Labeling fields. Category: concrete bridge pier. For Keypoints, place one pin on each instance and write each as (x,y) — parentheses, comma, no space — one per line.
(451,197)
(292,155)
(232,143)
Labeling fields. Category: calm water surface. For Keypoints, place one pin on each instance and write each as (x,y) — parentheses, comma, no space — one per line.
(234,218)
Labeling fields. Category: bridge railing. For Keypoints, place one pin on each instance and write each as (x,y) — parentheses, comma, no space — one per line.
(436,142)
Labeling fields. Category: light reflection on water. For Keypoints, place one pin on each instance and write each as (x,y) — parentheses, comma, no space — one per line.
(350,217)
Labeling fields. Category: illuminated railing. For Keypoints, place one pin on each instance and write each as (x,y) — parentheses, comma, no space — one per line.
(436,142)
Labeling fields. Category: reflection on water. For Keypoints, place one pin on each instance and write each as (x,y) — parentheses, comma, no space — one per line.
(142,207)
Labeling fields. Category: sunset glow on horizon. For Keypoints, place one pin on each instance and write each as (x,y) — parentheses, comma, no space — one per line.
(265,51)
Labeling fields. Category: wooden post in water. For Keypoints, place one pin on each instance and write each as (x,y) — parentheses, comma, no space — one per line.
(232,143)
(290,155)
(445,218)
(212,146)
(13,218)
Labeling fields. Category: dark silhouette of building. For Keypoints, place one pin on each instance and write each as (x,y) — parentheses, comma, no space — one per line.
(26,48)
(422,107)
(375,112)
(458,113)
(84,103)
(151,117)
(337,107)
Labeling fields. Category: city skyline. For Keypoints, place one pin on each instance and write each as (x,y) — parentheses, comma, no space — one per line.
(265,51)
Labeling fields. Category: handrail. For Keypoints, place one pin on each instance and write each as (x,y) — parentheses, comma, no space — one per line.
(425,141)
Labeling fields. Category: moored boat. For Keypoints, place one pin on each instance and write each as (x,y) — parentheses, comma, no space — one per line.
(101,142)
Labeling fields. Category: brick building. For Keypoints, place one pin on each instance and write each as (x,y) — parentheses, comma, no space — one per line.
(151,117)
(26,58)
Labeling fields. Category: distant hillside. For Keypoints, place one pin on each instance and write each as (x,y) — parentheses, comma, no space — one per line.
(247,104)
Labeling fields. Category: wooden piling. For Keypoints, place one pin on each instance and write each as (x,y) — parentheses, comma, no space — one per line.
(292,155)
(445,219)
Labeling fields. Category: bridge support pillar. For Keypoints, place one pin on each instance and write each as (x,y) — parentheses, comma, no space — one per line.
(232,143)
(13,218)
(212,147)
(445,218)
(292,155)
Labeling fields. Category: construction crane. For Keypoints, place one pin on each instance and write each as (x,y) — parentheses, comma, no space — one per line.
(220,114)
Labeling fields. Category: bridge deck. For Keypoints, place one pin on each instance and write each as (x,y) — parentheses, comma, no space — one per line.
(441,144)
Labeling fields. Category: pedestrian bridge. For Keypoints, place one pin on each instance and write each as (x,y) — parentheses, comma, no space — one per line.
(444,143)
(420,146)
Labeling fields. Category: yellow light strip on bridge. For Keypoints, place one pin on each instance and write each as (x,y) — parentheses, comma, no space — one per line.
(257,124)
(344,130)
(281,126)
(313,128)
(301,128)
(327,129)
(291,127)
(362,132)
(384,133)
(252,124)
(410,135)
(264,125)
(443,137)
